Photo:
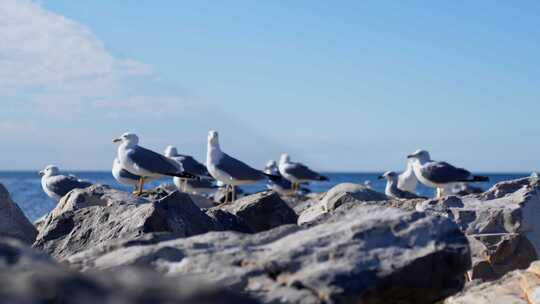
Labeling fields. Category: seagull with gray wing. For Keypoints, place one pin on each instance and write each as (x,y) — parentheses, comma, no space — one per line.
(190,165)
(124,177)
(392,189)
(440,175)
(229,170)
(146,163)
(57,185)
(297,173)
(282,186)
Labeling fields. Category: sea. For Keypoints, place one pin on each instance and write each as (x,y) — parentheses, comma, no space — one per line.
(25,187)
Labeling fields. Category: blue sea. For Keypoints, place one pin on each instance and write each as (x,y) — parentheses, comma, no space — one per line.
(25,187)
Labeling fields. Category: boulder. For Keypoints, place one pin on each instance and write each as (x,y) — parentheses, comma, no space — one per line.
(516,287)
(88,217)
(369,254)
(504,219)
(27,277)
(262,211)
(337,196)
(13,222)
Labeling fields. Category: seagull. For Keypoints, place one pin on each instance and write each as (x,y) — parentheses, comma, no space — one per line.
(282,185)
(392,189)
(228,170)
(123,176)
(407,180)
(145,163)
(440,175)
(297,173)
(189,164)
(56,185)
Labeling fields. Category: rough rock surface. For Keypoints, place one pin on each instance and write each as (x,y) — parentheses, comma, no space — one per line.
(262,211)
(504,220)
(339,195)
(517,287)
(13,222)
(28,277)
(87,217)
(368,254)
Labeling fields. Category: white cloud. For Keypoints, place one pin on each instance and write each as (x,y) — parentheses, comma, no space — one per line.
(44,51)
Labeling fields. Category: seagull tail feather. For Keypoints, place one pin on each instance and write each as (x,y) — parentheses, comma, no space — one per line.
(323,178)
(184,175)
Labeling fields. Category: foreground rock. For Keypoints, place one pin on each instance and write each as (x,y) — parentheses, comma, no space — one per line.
(504,220)
(28,277)
(369,254)
(262,211)
(13,222)
(517,287)
(88,217)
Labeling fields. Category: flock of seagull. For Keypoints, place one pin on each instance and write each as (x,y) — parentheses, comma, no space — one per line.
(135,165)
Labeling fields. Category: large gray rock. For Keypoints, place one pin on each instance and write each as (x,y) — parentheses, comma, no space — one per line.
(504,219)
(88,217)
(13,222)
(339,195)
(28,277)
(369,254)
(262,211)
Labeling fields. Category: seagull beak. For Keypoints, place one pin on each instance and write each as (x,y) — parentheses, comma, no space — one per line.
(410,156)
(41,173)
(116,140)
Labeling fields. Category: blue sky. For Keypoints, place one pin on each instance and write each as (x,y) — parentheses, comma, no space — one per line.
(347,86)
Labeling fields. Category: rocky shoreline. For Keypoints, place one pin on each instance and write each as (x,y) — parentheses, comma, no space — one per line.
(349,245)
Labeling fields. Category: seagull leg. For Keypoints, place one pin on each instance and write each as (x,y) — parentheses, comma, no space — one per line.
(140,188)
(233,194)
(226,194)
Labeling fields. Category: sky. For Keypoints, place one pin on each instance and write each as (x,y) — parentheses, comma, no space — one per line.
(340,86)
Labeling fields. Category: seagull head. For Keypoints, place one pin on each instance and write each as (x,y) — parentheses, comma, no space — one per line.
(420,155)
(171,151)
(213,138)
(389,176)
(284,158)
(50,170)
(127,138)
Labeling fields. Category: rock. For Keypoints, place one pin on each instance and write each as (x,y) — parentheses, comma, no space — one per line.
(28,277)
(519,287)
(262,211)
(13,222)
(337,196)
(504,219)
(226,221)
(370,254)
(506,290)
(88,217)
(495,255)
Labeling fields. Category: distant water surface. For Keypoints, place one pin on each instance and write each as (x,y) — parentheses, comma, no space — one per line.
(25,187)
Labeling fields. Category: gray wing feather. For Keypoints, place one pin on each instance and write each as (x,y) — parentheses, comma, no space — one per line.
(301,171)
(191,165)
(441,172)
(128,175)
(153,162)
(237,169)
(62,184)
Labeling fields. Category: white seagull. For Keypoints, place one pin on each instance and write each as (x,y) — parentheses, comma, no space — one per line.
(440,175)
(56,185)
(297,173)
(124,177)
(228,170)
(392,189)
(145,163)
(407,180)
